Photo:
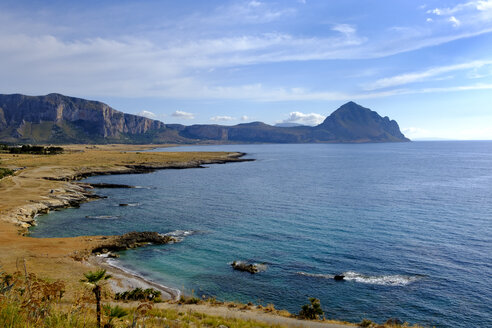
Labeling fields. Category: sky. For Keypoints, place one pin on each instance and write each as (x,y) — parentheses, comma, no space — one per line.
(425,63)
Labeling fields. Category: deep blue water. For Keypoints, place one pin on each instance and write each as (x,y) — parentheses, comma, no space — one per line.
(410,224)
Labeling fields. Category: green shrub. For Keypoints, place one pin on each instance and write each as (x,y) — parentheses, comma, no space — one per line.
(311,311)
(189,300)
(5,172)
(365,323)
(139,294)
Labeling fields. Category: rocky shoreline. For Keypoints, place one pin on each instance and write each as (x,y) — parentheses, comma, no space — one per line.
(72,194)
(149,168)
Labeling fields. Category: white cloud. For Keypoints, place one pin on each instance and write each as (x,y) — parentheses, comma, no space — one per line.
(254,3)
(417,133)
(424,75)
(252,12)
(345,29)
(244,118)
(222,118)
(36,60)
(481,5)
(455,21)
(466,7)
(484,5)
(183,115)
(428,20)
(305,119)
(436,11)
(146,113)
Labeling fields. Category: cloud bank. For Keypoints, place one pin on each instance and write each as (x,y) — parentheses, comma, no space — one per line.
(304,119)
(183,115)
(148,114)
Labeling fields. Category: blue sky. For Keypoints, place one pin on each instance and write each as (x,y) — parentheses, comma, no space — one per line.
(426,64)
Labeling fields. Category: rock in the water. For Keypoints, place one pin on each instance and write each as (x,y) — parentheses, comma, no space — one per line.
(133,240)
(248,267)
(339,277)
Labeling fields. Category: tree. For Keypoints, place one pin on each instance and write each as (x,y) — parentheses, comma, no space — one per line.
(311,311)
(95,280)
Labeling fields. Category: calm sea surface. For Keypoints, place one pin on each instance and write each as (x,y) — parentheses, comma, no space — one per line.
(409,224)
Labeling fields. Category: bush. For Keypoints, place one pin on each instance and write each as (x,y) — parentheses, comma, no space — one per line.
(189,300)
(311,311)
(365,323)
(139,294)
(5,172)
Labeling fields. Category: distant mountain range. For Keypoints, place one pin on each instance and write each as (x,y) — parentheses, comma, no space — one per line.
(56,119)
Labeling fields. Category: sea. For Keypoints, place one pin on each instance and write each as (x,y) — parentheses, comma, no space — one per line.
(408,224)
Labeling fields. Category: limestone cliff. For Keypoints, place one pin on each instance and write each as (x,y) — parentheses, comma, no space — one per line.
(55,117)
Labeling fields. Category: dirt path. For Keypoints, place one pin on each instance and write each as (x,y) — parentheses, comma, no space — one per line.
(256,315)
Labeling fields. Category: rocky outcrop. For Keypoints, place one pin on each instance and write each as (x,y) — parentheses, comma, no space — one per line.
(132,240)
(71,195)
(145,168)
(248,267)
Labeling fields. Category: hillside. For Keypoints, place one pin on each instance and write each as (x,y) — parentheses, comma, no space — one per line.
(55,118)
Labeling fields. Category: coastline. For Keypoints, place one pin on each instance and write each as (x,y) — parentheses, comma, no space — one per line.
(45,183)
(49,183)
(127,279)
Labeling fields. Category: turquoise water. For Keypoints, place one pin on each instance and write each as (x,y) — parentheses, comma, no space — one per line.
(410,225)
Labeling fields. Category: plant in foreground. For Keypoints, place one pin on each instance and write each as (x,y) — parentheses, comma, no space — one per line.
(95,280)
(113,312)
(311,311)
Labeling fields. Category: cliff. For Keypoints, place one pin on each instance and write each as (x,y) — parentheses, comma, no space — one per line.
(55,118)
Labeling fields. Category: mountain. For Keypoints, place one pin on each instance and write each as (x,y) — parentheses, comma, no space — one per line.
(55,118)
(351,123)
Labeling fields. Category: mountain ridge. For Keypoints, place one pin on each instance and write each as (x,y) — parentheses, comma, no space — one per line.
(56,118)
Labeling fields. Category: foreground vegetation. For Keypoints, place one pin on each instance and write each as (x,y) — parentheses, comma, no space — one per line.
(27,301)
(5,172)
